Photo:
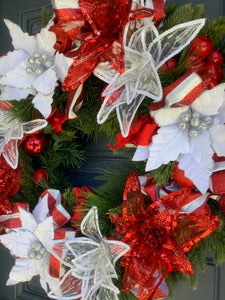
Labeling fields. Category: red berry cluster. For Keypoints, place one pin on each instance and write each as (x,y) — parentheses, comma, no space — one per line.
(203,59)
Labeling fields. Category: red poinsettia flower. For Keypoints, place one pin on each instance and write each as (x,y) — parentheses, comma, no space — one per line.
(9,180)
(158,237)
(98,25)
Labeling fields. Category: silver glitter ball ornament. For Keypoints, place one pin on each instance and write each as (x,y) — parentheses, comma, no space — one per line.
(38,70)
(195,121)
(47,63)
(182,125)
(193,133)
(29,70)
(208,120)
(43,56)
(186,117)
(31,60)
(36,54)
(37,61)
(203,126)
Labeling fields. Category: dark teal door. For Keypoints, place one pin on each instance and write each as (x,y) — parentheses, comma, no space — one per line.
(27,14)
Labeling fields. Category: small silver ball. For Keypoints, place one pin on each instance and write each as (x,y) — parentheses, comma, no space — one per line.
(37,61)
(43,56)
(38,70)
(31,60)
(36,54)
(42,251)
(36,246)
(47,63)
(208,120)
(186,117)
(193,133)
(182,125)
(38,256)
(29,70)
(195,115)
(203,125)
(32,254)
(195,121)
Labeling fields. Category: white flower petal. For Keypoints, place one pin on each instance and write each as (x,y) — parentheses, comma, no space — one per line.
(117,249)
(201,151)
(62,64)
(166,146)
(90,226)
(8,62)
(45,232)
(46,40)
(10,153)
(10,93)
(141,153)
(195,172)
(217,133)
(34,125)
(21,40)
(24,269)
(18,78)
(19,243)
(46,82)
(169,115)
(210,101)
(43,104)
(41,210)
(28,221)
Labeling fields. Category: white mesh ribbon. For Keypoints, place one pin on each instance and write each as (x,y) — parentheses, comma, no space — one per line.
(145,50)
(90,263)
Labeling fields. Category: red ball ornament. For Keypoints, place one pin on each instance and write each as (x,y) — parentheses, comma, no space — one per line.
(215,56)
(40,175)
(214,70)
(179,178)
(194,63)
(209,81)
(201,46)
(169,65)
(35,144)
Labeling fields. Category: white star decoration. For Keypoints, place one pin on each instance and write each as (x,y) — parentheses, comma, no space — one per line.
(32,68)
(145,50)
(91,261)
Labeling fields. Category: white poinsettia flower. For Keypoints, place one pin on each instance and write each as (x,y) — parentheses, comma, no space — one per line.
(31,242)
(189,134)
(91,269)
(11,131)
(33,68)
(29,245)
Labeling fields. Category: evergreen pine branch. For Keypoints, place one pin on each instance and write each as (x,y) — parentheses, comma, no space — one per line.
(183,14)
(45,17)
(60,98)
(163,174)
(69,200)
(215,30)
(24,110)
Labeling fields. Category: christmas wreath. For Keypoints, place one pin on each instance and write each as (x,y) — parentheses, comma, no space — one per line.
(149,75)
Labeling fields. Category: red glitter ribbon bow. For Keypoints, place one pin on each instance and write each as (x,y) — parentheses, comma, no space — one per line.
(158,237)
(98,25)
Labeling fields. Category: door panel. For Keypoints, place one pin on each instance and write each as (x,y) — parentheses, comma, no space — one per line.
(27,13)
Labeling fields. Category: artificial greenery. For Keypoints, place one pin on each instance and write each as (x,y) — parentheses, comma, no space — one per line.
(65,150)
